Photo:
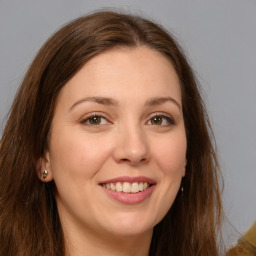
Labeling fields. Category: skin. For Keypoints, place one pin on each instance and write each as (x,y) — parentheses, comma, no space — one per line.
(125,141)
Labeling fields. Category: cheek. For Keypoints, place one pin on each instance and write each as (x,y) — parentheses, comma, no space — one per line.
(170,158)
(77,156)
(171,155)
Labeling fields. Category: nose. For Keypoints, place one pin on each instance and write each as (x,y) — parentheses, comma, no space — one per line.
(132,147)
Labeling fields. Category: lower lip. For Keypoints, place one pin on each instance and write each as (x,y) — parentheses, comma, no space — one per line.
(130,198)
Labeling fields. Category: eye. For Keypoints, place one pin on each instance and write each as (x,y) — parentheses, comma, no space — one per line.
(94,120)
(161,120)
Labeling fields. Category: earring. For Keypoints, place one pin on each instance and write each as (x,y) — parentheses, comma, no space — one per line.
(181,188)
(45,173)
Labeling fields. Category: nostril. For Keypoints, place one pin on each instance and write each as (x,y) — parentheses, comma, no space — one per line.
(134,160)
(132,150)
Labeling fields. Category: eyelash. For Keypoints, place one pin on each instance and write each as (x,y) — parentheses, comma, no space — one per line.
(90,117)
(170,121)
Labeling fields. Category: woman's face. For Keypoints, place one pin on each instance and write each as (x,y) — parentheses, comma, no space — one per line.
(117,147)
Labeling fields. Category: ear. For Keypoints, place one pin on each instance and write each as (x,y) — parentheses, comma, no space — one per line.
(44,172)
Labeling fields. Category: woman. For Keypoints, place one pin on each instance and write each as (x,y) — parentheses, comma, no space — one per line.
(107,150)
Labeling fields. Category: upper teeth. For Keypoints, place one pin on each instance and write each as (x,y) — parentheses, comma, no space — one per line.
(127,187)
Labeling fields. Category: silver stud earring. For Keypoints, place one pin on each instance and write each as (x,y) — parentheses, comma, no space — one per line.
(45,173)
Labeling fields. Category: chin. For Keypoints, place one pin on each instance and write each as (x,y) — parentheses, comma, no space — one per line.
(131,231)
(131,225)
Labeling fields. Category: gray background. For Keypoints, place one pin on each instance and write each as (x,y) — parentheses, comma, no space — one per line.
(219,38)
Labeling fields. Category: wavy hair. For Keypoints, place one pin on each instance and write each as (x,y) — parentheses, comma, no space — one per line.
(29,220)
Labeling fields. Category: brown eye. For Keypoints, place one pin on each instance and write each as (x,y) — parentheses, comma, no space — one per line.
(156,120)
(161,120)
(95,120)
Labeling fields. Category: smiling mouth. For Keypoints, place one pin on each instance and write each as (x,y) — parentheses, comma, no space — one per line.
(129,190)
(127,187)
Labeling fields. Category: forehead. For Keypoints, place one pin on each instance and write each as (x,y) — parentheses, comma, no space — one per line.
(125,71)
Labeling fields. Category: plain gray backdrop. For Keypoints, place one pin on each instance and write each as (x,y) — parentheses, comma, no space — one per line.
(219,38)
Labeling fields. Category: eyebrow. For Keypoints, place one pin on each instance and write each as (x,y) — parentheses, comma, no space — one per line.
(161,100)
(112,102)
(99,100)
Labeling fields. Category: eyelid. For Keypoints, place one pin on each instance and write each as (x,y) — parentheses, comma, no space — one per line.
(169,118)
(86,117)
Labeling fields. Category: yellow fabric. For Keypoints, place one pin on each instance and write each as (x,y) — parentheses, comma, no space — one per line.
(246,245)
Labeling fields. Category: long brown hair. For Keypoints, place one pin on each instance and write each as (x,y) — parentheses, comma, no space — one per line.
(29,221)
